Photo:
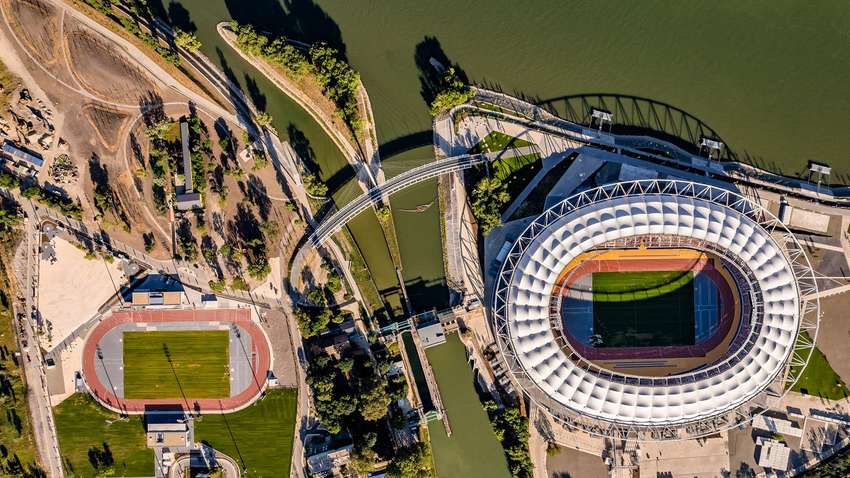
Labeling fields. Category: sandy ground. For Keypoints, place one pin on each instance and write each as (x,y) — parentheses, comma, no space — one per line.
(704,458)
(73,290)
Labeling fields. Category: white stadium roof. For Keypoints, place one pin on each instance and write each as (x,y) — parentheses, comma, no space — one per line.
(601,400)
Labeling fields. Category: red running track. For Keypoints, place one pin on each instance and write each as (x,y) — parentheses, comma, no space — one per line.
(702,266)
(261,360)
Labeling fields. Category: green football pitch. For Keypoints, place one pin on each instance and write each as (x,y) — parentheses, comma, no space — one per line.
(185,364)
(644,309)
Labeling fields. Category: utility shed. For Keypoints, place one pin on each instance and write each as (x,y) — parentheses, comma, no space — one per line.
(186,202)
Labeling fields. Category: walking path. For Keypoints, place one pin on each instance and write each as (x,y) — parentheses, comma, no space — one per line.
(261,359)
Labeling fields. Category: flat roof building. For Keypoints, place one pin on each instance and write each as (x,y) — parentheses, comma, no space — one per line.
(9,148)
(189,199)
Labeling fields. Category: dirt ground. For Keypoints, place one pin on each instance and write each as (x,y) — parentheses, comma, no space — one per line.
(60,302)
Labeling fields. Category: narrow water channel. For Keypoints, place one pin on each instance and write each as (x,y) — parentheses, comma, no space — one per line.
(418,373)
(473,449)
(292,122)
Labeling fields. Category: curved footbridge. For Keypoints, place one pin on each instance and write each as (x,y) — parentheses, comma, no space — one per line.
(431,170)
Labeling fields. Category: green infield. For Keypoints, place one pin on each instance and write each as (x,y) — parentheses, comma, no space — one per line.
(644,308)
(94,441)
(259,437)
(181,364)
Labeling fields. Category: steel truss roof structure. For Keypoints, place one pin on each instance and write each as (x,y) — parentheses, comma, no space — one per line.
(760,366)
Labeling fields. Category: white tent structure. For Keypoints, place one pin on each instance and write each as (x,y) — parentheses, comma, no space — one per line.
(720,395)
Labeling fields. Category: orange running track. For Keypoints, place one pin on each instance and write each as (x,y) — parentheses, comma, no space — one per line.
(701,266)
(260,362)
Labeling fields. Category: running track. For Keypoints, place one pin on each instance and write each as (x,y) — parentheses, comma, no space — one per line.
(702,266)
(261,360)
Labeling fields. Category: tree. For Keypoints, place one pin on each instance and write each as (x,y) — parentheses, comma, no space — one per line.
(454,93)
(186,40)
(409,462)
(383,213)
(553,449)
(238,283)
(260,269)
(225,144)
(314,186)
(374,399)
(291,207)
(487,197)
(218,286)
(263,118)
(334,283)
(159,130)
(271,230)
(189,248)
(345,365)
(31,192)
(9,181)
(103,199)
(316,296)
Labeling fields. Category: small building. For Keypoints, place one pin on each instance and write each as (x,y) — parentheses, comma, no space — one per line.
(189,199)
(9,148)
(187,202)
(147,299)
(168,430)
(774,454)
(431,335)
(328,463)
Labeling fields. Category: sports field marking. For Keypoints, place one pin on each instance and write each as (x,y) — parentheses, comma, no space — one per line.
(644,308)
(176,365)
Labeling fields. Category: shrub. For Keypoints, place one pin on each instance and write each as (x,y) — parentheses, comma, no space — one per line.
(263,118)
(314,186)
(238,283)
(186,40)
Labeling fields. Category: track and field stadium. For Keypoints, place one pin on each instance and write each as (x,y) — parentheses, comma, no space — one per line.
(655,310)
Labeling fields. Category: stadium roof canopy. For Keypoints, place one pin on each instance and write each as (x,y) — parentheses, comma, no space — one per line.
(695,403)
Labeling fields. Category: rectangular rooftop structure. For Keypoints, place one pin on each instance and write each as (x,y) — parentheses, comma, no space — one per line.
(189,201)
(777,425)
(18,153)
(187,157)
(774,454)
(431,335)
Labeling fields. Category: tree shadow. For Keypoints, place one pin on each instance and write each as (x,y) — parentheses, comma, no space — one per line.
(257,96)
(302,20)
(180,18)
(429,76)
(150,105)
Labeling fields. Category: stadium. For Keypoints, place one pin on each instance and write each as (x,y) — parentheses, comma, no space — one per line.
(655,310)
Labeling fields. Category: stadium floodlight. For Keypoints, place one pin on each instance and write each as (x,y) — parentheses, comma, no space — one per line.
(711,144)
(602,116)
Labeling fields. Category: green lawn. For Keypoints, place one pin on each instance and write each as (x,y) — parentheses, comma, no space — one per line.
(819,379)
(644,309)
(85,439)
(186,364)
(497,141)
(259,438)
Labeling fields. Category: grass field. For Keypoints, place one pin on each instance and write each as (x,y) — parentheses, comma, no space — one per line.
(259,437)
(497,141)
(89,444)
(819,379)
(184,364)
(644,309)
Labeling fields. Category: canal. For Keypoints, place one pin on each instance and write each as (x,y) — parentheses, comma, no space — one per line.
(418,373)
(473,449)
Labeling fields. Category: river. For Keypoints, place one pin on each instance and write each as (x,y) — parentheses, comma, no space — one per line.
(768,78)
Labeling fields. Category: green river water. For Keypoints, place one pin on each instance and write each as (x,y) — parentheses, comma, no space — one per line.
(767,77)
